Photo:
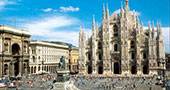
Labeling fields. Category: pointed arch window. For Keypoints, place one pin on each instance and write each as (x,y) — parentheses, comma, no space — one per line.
(99,45)
(115,47)
(132,43)
(115,29)
(100,56)
(89,56)
(132,55)
(144,55)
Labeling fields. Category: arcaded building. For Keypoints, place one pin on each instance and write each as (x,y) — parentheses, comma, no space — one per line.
(45,56)
(121,46)
(14,51)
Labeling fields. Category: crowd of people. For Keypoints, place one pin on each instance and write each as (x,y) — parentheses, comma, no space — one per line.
(32,82)
(115,83)
(46,82)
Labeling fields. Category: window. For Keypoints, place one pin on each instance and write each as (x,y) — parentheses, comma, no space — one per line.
(89,57)
(144,55)
(115,47)
(132,55)
(115,29)
(99,45)
(33,58)
(100,56)
(132,44)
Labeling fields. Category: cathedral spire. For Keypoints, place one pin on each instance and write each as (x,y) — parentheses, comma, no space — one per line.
(157,28)
(93,22)
(142,24)
(93,26)
(126,5)
(134,14)
(141,30)
(153,30)
(150,35)
(149,25)
(137,22)
(160,30)
(104,12)
(121,11)
(80,29)
(107,16)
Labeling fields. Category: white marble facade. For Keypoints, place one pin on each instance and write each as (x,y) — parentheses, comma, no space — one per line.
(121,46)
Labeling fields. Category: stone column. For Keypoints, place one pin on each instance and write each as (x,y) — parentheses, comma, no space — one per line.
(20,67)
(1,65)
(12,69)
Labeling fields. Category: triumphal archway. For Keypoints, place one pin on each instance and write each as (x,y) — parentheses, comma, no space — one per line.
(14,51)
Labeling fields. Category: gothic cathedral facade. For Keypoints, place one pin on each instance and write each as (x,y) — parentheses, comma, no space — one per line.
(121,46)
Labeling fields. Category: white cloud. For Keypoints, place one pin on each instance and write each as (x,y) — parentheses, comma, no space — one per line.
(136,12)
(50,28)
(3,3)
(68,9)
(47,10)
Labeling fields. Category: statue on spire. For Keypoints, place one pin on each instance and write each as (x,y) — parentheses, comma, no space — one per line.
(126,3)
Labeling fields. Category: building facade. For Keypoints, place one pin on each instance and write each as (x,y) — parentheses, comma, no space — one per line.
(168,62)
(45,56)
(73,60)
(121,46)
(14,51)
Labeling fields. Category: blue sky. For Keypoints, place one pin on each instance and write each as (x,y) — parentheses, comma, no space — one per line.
(59,20)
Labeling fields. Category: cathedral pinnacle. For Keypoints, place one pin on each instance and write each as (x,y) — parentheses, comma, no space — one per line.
(107,12)
(126,1)
(142,24)
(160,30)
(80,29)
(126,4)
(153,30)
(93,26)
(141,30)
(93,21)
(149,25)
(152,25)
(150,34)
(103,12)
(121,10)
(137,21)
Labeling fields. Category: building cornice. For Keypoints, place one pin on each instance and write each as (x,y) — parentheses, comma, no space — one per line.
(8,29)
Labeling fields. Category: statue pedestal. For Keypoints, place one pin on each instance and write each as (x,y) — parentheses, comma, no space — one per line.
(63,73)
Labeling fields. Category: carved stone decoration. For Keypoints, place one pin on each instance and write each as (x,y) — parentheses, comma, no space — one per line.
(129,55)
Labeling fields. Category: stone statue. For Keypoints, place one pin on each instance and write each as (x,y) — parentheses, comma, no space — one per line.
(61,74)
